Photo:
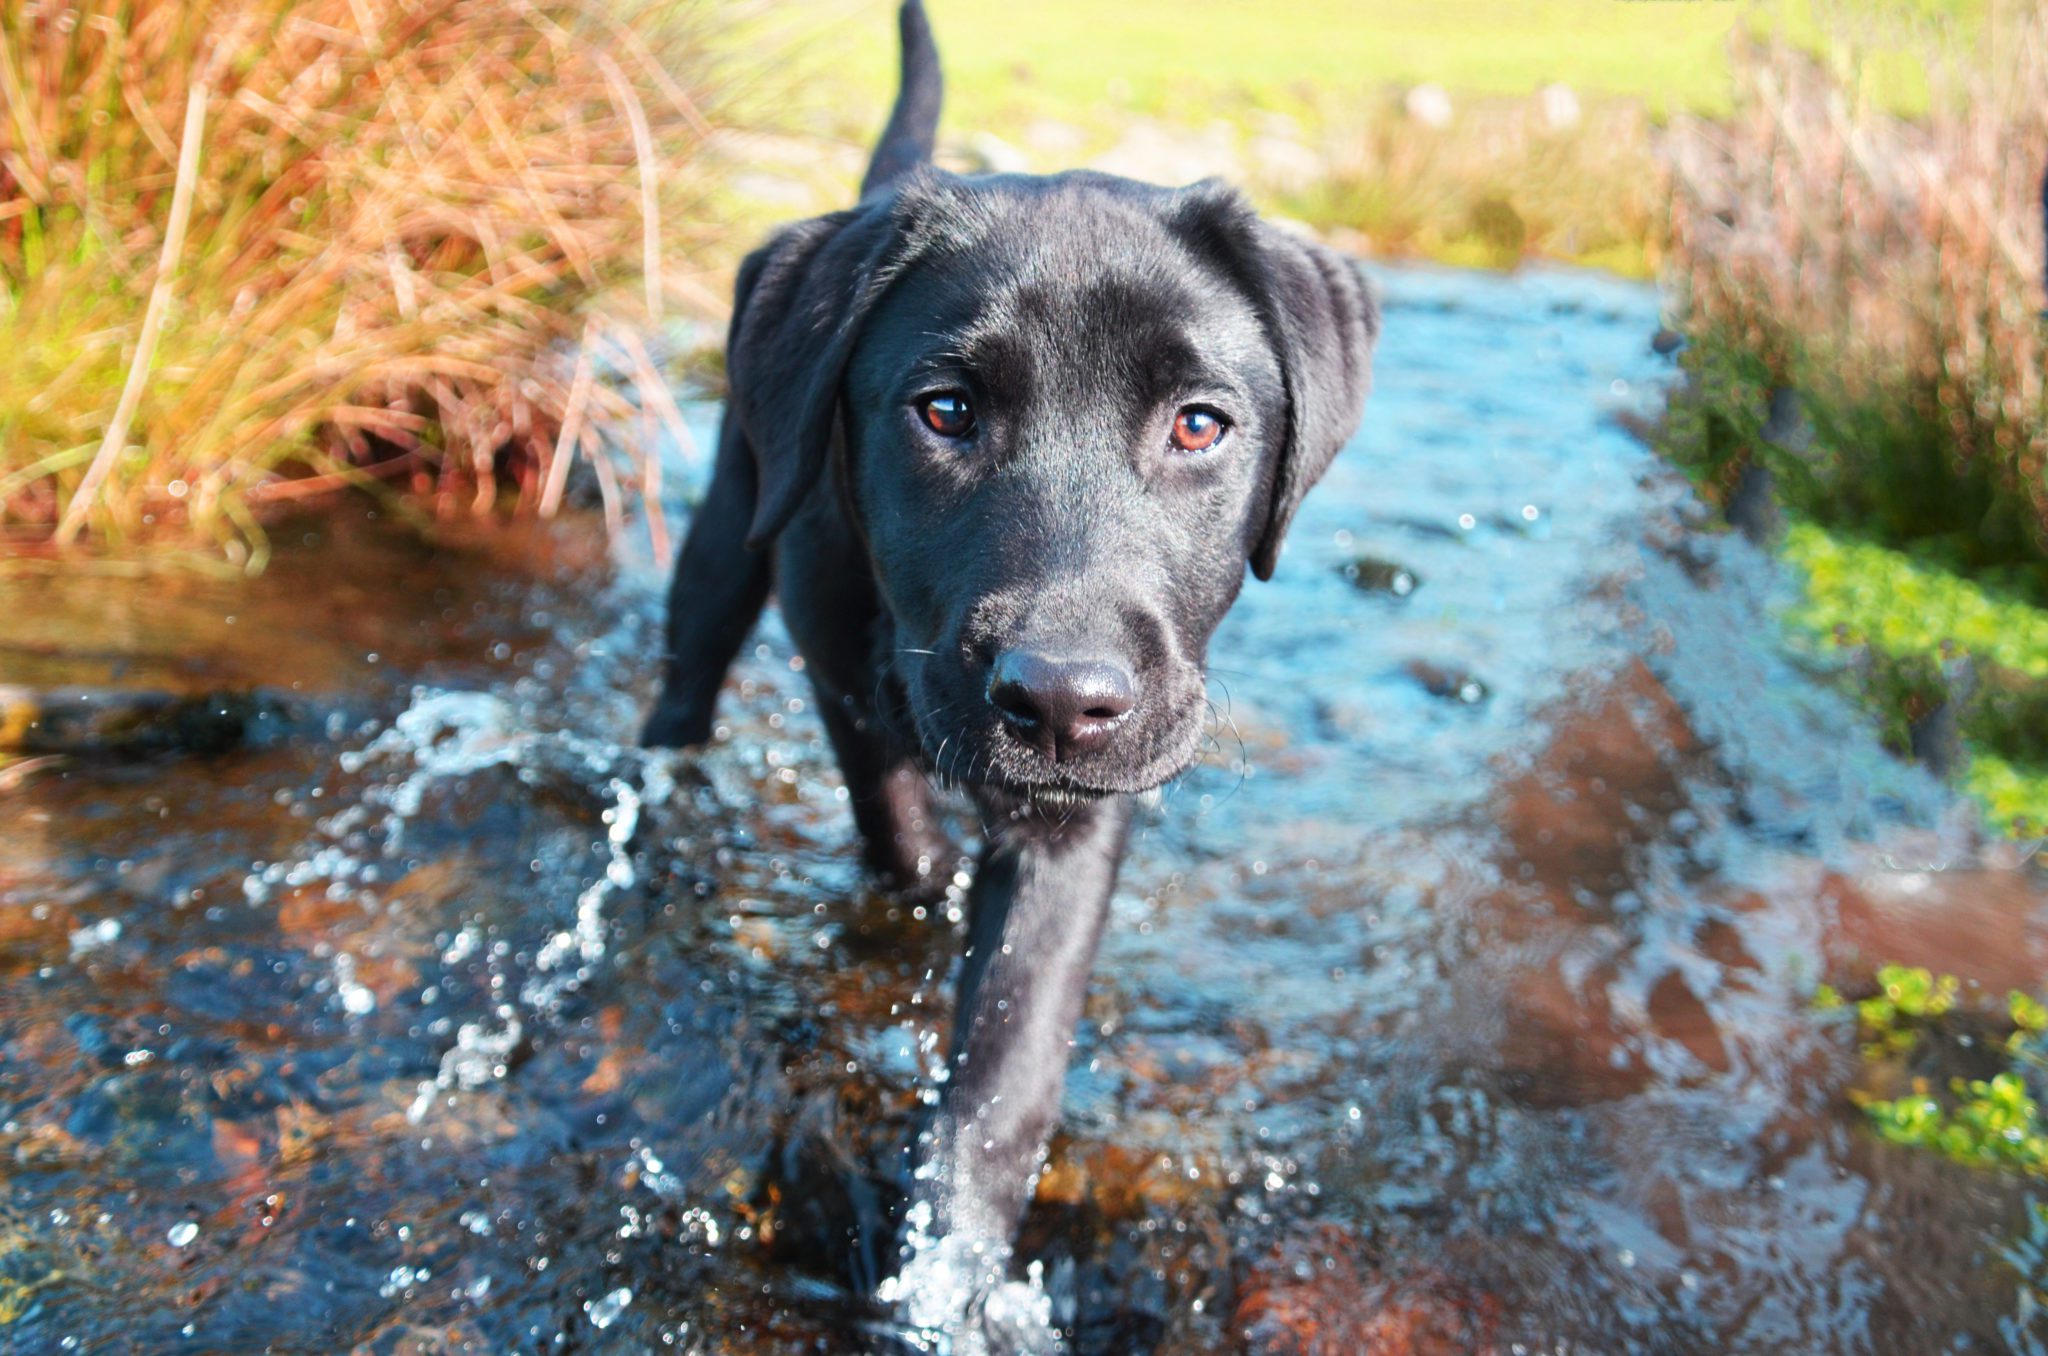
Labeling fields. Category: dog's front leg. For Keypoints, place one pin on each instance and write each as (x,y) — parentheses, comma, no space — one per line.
(714,599)
(1037,911)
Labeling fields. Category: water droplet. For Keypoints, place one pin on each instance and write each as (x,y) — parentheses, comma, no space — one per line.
(95,935)
(605,1312)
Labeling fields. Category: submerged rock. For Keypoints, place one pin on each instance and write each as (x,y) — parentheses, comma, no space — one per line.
(90,720)
(1452,684)
(1373,575)
(1321,1292)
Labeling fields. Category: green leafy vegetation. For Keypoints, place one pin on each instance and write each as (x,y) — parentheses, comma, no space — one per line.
(1911,618)
(2015,798)
(1992,1122)
(1906,1001)
(1865,594)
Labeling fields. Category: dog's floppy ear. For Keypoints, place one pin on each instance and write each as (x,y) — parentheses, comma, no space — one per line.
(1323,320)
(798,306)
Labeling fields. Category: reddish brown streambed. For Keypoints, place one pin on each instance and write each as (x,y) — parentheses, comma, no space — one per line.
(1459,1002)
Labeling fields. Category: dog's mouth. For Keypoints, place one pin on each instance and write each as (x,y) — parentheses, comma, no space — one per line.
(980,759)
(1041,797)
(988,760)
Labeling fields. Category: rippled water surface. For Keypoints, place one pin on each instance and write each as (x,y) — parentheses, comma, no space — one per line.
(1457,1002)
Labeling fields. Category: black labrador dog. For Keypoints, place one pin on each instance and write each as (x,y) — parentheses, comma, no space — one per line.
(1005,445)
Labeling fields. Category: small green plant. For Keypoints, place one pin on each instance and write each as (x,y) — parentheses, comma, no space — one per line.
(1907,1000)
(2016,797)
(1995,1123)
(1985,1122)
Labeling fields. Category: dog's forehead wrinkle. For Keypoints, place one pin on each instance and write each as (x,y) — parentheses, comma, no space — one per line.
(1081,282)
(1051,225)
(1107,332)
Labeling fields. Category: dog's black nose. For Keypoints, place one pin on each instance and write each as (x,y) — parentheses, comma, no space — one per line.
(1062,707)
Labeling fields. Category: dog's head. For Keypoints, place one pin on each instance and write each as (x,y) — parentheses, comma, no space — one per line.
(1065,414)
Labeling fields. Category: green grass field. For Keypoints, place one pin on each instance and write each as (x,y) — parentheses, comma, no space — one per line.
(1193,60)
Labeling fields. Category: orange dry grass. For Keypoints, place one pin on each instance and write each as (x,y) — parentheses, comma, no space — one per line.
(404,215)
(1888,270)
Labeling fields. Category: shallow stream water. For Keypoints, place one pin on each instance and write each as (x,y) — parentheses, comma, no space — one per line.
(1458,1001)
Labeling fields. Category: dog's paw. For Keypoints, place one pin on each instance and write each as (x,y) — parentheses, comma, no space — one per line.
(1015,1319)
(954,1301)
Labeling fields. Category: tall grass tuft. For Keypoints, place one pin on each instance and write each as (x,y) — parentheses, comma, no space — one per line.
(1864,295)
(257,251)
(1865,290)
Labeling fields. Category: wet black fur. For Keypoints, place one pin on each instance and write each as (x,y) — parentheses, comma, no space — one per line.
(1080,312)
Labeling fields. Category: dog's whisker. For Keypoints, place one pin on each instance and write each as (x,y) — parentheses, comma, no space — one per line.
(1217,674)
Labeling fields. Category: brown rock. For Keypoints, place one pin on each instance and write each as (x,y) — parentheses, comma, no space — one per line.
(1605,785)
(1319,1293)
(1988,926)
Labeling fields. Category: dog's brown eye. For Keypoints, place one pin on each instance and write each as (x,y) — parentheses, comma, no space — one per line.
(1196,430)
(947,414)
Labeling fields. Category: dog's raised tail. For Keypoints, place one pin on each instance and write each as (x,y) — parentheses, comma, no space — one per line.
(914,123)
